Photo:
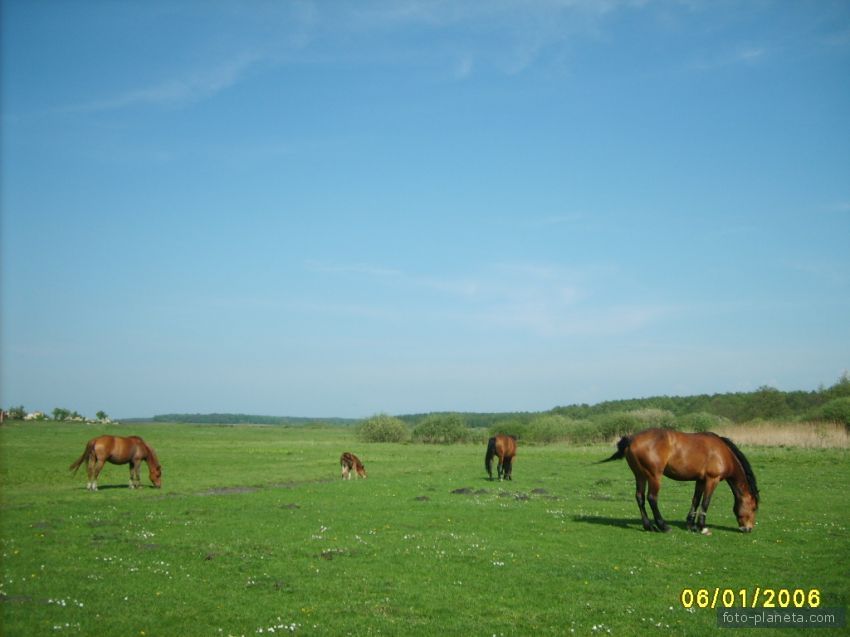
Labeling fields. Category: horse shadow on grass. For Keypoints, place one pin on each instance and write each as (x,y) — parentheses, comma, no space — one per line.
(632,524)
(108,487)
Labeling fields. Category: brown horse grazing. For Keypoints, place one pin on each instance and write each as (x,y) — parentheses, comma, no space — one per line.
(505,447)
(348,461)
(704,457)
(119,450)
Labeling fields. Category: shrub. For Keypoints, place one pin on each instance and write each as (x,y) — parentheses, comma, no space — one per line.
(618,423)
(515,428)
(17,413)
(655,418)
(548,428)
(383,428)
(584,432)
(442,429)
(701,422)
(837,410)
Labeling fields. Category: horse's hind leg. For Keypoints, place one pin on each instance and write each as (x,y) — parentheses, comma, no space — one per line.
(640,489)
(509,468)
(654,486)
(94,467)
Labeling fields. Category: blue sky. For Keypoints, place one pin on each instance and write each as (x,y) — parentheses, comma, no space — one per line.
(337,209)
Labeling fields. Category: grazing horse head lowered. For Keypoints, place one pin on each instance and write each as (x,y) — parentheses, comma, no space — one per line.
(119,450)
(505,447)
(705,458)
(349,462)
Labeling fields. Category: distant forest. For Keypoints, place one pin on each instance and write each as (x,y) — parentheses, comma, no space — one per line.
(766,403)
(247,419)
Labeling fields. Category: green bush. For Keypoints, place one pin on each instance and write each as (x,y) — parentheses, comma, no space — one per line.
(617,424)
(17,413)
(547,429)
(383,428)
(442,429)
(651,417)
(701,422)
(516,428)
(585,432)
(837,410)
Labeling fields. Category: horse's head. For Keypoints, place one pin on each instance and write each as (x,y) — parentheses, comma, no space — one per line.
(745,510)
(155,475)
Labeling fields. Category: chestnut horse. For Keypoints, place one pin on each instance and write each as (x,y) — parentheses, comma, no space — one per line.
(119,450)
(505,447)
(704,457)
(348,461)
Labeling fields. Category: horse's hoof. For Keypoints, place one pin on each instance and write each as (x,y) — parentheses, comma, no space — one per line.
(706,531)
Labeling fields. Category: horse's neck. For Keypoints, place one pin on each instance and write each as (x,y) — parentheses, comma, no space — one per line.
(150,456)
(738,479)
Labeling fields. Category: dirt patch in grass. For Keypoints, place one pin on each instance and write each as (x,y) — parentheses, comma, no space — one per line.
(229,491)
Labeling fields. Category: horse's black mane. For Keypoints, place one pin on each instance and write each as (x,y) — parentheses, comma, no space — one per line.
(748,470)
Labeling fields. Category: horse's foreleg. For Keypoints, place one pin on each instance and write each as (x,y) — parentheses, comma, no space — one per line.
(654,487)
(135,481)
(500,468)
(692,514)
(706,501)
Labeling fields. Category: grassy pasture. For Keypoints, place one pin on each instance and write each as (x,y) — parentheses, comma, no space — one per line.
(254,533)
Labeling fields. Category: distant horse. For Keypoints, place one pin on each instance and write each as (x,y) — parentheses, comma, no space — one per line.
(119,450)
(348,461)
(505,447)
(704,457)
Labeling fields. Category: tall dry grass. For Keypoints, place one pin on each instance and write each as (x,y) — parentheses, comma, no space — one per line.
(807,435)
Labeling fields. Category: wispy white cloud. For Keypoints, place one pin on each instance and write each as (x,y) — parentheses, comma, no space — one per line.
(541,300)
(518,32)
(192,87)
(742,55)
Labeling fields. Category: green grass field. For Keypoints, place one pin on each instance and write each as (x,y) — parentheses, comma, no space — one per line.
(254,533)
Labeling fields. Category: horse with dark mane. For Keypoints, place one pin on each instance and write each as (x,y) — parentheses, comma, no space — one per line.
(119,450)
(503,446)
(349,462)
(703,457)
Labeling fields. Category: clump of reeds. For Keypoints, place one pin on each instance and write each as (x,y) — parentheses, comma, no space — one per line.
(807,435)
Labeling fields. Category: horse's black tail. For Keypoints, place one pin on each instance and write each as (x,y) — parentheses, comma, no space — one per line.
(624,443)
(488,459)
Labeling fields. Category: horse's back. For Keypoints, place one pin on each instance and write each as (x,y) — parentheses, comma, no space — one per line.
(506,445)
(120,449)
(678,455)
